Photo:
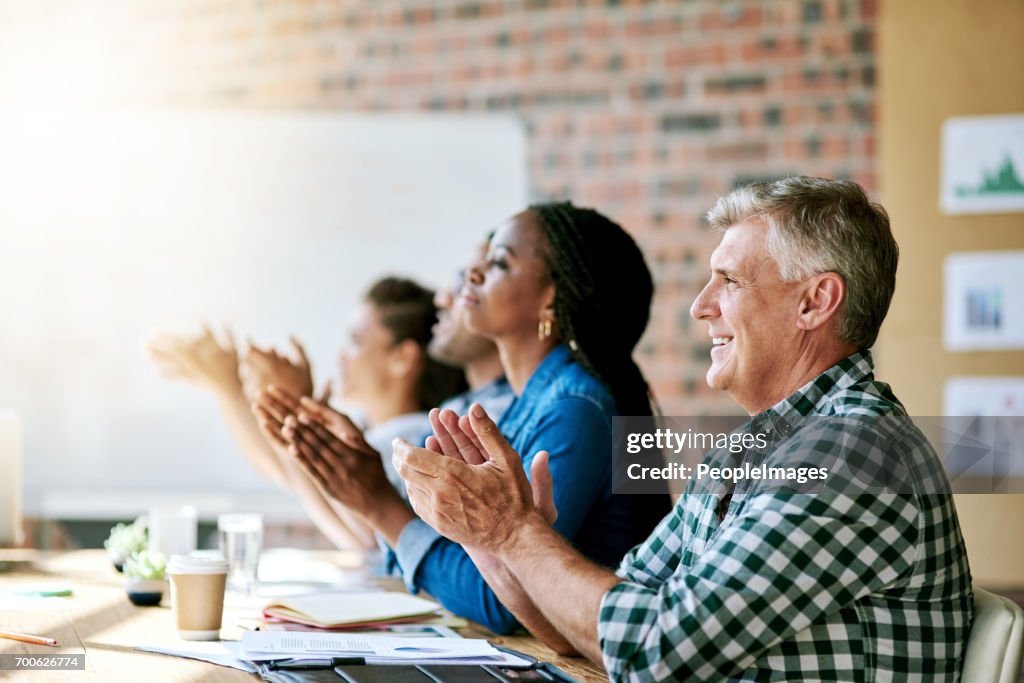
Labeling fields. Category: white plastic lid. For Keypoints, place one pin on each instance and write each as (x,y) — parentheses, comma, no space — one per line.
(197,564)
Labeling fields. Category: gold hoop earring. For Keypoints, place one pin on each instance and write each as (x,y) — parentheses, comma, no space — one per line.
(543,329)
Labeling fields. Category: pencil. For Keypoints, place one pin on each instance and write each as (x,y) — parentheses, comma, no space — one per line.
(27,638)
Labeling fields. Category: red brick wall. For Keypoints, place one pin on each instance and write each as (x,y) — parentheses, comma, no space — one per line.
(646,110)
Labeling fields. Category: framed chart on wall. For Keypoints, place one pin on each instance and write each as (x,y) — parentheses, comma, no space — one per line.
(984,301)
(983,164)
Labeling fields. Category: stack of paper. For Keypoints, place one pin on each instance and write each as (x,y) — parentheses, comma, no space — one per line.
(340,610)
(324,649)
(371,648)
(224,653)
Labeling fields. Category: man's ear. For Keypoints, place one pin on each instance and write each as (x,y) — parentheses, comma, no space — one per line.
(404,357)
(820,300)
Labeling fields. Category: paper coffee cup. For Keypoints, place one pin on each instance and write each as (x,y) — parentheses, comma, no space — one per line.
(197,595)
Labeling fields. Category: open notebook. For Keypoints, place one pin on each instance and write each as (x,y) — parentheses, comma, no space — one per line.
(340,610)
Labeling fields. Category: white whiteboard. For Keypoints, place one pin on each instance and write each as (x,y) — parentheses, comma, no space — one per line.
(114,225)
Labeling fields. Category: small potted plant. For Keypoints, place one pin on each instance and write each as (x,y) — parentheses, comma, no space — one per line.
(124,540)
(144,577)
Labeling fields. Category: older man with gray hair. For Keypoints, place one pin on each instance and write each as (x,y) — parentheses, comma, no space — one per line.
(751,582)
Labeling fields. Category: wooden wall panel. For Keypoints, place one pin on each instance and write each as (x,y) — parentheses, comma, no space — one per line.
(937,60)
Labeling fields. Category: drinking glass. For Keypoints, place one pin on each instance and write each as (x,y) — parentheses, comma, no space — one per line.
(172,530)
(241,539)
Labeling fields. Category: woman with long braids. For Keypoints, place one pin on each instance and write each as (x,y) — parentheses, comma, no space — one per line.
(565,294)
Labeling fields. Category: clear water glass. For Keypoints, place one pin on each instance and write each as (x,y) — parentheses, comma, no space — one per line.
(241,540)
(172,530)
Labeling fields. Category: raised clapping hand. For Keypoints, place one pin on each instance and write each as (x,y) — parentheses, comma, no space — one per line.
(261,367)
(327,445)
(479,494)
(202,360)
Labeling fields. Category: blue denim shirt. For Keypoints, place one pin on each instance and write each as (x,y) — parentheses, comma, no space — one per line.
(567,412)
(495,396)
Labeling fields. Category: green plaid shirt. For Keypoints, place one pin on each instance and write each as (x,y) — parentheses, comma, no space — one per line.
(859,585)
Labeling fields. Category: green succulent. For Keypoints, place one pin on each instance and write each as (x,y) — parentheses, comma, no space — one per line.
(146,565)
(126,539)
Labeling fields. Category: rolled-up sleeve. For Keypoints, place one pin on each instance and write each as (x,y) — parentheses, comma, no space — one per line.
(430,561)
(415,541)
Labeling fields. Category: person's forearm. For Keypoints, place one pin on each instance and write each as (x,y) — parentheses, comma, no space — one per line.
(388,517)
(565,586)
(361,532)
(511,593)
(281,468)
(444,569)
(237,414)
(344,529)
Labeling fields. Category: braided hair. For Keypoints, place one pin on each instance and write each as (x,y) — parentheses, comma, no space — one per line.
(603,293)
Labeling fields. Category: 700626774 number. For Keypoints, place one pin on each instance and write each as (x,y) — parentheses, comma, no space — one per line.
(9,662)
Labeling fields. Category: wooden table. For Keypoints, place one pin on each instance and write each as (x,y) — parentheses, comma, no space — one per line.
(99,620)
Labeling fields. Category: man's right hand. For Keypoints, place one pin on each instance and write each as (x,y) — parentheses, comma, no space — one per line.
(260,368)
